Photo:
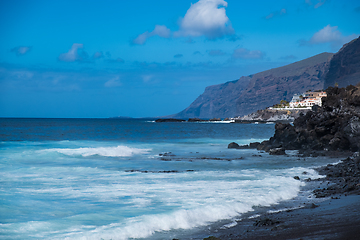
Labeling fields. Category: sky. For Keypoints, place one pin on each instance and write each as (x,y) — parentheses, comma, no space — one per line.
(151,58)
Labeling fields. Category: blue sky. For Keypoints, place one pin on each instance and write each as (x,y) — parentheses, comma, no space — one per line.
(152,58)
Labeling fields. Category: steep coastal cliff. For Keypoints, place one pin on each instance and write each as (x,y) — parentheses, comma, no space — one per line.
(255,92)
(344,67)
(264,89)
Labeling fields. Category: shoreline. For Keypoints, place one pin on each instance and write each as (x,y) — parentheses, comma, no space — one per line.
(333,211)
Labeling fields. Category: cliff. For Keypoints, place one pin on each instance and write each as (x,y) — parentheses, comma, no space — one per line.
(264,89)
(217,101)
(345,66)
(270,87)
(251,93)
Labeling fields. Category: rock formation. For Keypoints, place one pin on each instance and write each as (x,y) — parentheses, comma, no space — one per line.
(333,127)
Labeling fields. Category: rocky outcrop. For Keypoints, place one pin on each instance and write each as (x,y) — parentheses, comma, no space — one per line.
(333,127)
(272,115)
(344,177)
(344,67)
(169,120)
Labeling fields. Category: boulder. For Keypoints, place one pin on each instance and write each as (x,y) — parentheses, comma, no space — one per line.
(233,145)
(277,151)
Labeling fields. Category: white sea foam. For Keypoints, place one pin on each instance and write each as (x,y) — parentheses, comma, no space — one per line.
(118,151)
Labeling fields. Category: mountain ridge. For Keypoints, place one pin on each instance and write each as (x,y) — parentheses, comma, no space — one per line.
(258,91)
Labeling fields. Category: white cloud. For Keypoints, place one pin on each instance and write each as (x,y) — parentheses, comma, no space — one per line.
(330,35)
(206,18)
(113,82)
(74,54)
(21,50)
(160,30)
(243,53)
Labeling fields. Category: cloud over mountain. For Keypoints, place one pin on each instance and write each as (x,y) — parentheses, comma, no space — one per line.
(328,34)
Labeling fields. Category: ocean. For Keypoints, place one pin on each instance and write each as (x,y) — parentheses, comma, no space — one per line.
(137,179)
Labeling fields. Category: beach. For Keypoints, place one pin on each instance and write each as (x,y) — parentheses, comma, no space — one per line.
(336,216)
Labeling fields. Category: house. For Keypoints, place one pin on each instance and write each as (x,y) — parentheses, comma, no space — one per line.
(307,99)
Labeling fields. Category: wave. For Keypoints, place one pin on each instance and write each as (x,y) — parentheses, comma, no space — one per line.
(118,151)
(198,215)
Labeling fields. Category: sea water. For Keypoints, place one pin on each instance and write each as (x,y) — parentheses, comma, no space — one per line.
(126,179)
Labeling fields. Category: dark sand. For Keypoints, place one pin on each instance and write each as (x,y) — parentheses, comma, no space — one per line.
(330,219)
(335,217)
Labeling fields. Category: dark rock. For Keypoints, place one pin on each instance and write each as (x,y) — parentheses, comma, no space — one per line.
(254,144)
(265,222)
(233,145)
(296,178)
(314,205)
(277,151)
(195,120)
(169,120)
(215,119)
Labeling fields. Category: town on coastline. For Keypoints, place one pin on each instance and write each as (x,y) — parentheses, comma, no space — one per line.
(283,112)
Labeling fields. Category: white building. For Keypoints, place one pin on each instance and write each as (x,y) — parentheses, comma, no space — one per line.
(308,99)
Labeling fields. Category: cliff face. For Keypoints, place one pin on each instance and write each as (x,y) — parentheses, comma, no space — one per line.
(216,101)
(345,66)
(259,91)
(252,93)
(270,87)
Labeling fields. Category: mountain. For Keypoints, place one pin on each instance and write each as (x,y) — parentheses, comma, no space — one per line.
(270,87)
(345,66)
(216,101)
(264,89)
(254,92)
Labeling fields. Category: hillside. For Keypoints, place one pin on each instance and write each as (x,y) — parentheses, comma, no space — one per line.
(345,66)
(217,100)
(258,91)
(270,87)
(264,89)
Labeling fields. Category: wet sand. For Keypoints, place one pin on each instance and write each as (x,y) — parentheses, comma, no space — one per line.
(335,216)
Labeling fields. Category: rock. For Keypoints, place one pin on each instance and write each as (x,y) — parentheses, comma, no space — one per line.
(254,145)
(277,151)
(265,222)
(233,145)
(195,120)
(296,178)
(215,119)
(169,120)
